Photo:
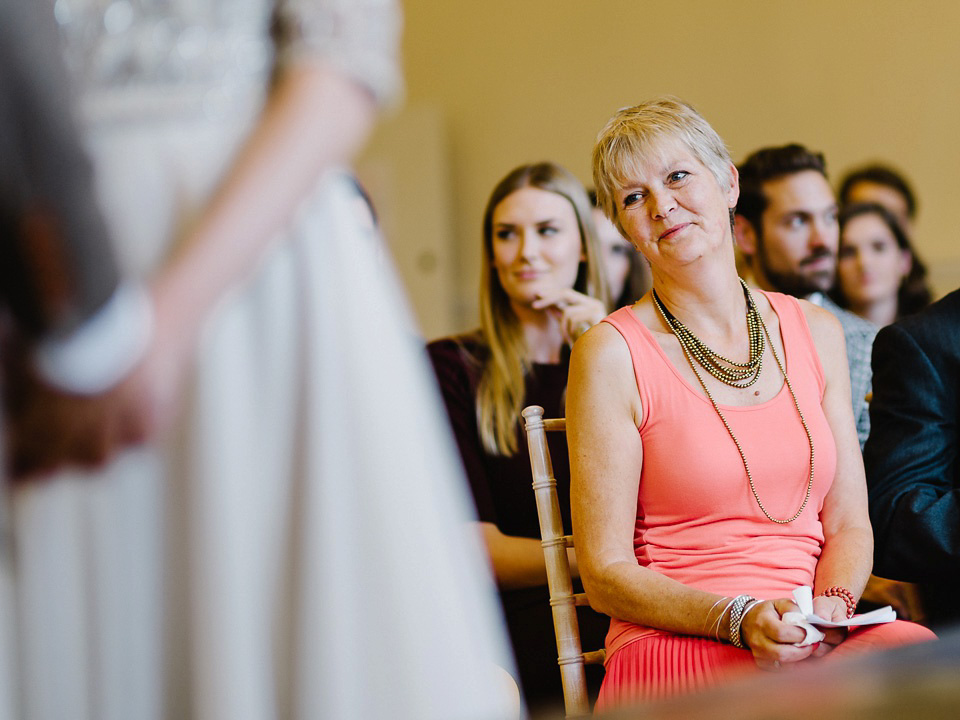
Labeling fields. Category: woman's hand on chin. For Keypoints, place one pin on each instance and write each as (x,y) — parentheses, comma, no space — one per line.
(770,639)
(577,312)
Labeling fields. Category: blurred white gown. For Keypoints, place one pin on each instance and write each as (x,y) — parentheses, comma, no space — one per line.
(299,550)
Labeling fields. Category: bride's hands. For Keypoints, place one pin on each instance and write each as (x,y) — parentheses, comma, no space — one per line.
(577,312)
(769,638)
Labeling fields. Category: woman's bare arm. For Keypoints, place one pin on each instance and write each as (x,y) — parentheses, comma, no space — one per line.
(606,455)
(518,562)
(847,555)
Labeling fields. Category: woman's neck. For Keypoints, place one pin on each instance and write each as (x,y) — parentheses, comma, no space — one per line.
(542,333)
(713,305)
(879,312)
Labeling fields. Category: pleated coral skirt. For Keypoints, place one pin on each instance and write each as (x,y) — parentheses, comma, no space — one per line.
(662,665)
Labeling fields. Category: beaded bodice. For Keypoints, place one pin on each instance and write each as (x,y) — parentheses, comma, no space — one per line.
(168,52)
(155,43)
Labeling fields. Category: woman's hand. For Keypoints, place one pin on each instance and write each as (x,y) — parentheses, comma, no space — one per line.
(833,609)
(769,638)
(577,312)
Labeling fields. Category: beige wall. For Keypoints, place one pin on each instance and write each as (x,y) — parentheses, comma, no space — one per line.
(524,80)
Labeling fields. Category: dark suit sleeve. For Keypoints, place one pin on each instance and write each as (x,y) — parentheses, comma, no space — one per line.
(57,266)
(911,459)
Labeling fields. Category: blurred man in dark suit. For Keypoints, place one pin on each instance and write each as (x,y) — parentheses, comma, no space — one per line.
(911,457)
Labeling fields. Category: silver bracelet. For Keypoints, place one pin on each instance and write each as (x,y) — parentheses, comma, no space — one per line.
(743,616)
(715,631)
(740,604)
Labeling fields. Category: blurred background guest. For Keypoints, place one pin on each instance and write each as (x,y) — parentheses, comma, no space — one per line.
(786,226)
(628,273)
(542,285)
(879,276)
(885,186)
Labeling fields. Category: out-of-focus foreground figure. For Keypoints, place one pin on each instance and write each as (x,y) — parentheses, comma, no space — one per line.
(294,545)
(61,295)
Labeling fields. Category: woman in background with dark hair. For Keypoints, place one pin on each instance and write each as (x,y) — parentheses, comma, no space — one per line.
(879,276)
(542,286)
(883,185)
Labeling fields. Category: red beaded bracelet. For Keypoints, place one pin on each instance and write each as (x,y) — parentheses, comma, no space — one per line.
(843,594)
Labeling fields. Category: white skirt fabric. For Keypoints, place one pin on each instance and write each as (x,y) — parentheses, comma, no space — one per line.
(299,548)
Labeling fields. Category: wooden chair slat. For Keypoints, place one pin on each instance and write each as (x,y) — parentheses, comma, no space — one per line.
(563,601)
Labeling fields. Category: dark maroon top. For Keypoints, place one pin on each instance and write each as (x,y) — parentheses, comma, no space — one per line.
(503,491)
(502,486)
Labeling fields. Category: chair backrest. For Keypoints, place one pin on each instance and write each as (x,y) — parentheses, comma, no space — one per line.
(563,600)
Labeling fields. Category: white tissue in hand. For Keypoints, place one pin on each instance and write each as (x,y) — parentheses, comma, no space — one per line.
(813,635)
(804,598)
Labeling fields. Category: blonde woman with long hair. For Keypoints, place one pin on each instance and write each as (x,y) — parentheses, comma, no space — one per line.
(542,286)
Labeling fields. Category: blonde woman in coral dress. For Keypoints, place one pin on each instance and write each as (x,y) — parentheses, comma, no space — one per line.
(714,460)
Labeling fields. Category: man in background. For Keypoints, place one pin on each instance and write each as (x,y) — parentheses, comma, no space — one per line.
(786,227)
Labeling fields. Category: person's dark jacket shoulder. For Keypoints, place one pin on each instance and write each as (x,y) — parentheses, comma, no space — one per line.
(912,457)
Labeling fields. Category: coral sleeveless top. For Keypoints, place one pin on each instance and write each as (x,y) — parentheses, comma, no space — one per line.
(697,520)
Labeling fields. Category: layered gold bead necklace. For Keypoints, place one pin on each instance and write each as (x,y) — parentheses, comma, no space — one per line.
(739,375)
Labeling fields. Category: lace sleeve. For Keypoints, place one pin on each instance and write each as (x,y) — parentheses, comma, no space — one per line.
(361,37)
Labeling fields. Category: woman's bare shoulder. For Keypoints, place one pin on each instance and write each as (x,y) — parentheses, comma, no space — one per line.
(827,334)
(602,371)
(602,346)
(823,325)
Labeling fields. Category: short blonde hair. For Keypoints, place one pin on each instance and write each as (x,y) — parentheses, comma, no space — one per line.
(632,133)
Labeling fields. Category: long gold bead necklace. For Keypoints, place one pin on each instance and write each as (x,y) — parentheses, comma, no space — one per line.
(739,375)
